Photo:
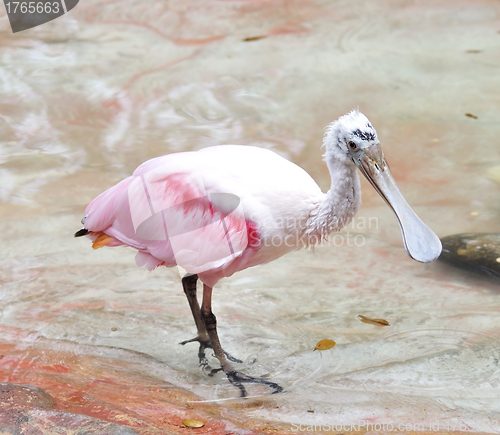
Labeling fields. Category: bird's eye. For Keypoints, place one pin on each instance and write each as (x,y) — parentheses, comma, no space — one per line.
(352,145)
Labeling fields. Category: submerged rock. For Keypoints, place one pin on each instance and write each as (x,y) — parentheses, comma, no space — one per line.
(25,409)
(475,252)
(43,422)
(24,397)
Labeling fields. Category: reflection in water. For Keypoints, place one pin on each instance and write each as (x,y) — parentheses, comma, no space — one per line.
(87,97)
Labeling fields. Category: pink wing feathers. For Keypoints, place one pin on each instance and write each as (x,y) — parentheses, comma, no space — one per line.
(170,217)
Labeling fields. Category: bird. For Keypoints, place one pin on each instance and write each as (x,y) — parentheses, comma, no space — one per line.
(225,208)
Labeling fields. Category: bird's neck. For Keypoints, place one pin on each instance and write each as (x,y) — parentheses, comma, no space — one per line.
(340,203)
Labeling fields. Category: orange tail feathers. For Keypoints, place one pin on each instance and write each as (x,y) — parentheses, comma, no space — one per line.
(102,240)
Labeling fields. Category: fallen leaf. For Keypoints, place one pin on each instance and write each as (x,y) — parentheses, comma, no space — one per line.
(324,344)
(254,38)
(193,423)
(377,322)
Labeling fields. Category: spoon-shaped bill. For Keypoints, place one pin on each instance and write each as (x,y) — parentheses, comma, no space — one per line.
(420,242)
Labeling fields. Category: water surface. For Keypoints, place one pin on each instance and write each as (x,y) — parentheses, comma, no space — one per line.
(88,97)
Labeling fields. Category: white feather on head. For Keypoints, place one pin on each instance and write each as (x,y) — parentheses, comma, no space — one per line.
(354,126)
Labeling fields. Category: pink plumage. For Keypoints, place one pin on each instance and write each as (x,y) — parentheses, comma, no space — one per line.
(206,211)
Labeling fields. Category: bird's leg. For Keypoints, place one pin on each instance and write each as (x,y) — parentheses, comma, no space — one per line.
(189,284)
(210,322)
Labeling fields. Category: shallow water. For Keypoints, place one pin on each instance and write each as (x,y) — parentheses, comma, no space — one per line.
(89,96)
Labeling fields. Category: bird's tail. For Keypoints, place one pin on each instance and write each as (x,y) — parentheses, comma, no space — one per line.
(99,239)
(82,232)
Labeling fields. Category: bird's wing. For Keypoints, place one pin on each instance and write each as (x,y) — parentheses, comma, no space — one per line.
(170,217)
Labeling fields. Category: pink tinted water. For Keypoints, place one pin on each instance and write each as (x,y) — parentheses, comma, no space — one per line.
(88,97)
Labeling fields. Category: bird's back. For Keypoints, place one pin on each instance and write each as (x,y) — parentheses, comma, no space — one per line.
(204,209)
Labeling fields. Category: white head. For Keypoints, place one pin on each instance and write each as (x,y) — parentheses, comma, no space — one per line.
(351,133)
(353,140)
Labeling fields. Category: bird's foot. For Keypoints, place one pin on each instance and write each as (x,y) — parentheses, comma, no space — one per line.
(198,339)
(206,344)
(232,358)
(237,378)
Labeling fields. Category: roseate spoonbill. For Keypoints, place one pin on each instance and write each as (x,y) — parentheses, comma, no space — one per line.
(226,208)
